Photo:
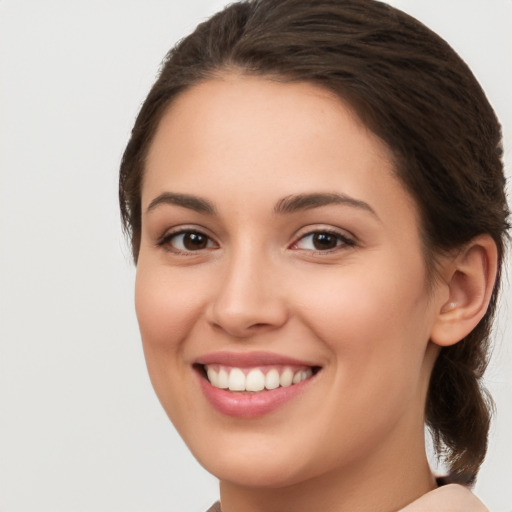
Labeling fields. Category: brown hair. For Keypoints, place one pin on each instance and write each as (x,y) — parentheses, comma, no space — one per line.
(412,90)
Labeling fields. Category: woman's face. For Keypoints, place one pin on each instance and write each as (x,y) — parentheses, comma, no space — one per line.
(279,247)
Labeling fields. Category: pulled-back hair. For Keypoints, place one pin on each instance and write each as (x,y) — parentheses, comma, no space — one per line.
(412,90)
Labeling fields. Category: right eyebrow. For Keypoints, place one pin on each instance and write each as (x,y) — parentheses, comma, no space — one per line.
(191,202)
(300,202)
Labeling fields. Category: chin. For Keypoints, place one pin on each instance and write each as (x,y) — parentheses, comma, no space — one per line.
(269,474)
(259,461)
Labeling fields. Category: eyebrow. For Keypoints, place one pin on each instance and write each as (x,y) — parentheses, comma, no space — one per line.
(300,202)
(287,205)
(195,203)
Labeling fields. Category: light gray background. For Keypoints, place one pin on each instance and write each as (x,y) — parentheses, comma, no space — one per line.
(80,427)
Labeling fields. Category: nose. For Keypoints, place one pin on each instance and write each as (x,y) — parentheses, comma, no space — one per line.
(249,298)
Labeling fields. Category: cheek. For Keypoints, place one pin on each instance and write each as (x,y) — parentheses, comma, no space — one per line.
(374,322)
(166,307)
(374,326)
(166,311)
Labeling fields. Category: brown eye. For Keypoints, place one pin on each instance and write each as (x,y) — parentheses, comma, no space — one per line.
(323,241)
(187,241)
(194,241)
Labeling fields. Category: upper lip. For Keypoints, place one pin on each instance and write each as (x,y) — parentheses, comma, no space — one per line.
(250,359)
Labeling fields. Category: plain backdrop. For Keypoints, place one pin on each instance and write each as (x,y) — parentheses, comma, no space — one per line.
(80,427)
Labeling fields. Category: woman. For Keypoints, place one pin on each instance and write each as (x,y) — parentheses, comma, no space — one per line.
(315,198)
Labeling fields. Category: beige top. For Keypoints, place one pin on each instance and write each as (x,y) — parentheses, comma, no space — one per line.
(449,498)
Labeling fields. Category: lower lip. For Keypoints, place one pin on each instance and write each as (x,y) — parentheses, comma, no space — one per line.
(250,405)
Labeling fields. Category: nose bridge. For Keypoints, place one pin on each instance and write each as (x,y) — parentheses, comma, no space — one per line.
(247,298)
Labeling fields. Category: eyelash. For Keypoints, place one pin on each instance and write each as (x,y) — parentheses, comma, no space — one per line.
(342,241)
(165,241)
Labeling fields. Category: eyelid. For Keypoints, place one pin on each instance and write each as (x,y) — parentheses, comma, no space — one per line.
(164,240)
(347,239)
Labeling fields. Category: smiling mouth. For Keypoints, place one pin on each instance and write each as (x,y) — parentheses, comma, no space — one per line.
(255,380)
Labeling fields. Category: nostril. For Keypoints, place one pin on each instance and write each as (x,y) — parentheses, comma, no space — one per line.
(240,327)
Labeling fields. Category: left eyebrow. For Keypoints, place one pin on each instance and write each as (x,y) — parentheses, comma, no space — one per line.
(191,202)
(300,202)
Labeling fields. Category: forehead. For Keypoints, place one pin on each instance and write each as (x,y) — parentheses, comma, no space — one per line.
(258,138)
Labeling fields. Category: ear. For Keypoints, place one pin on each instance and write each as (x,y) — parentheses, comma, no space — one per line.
(469,279)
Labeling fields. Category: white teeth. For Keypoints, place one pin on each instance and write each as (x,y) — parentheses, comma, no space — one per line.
(213,377)
(272,379)
(255,381)
(223,379)
(286,378)
(236,379)
(302,375)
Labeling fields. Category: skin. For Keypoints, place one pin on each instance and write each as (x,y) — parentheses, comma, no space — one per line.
(363,311)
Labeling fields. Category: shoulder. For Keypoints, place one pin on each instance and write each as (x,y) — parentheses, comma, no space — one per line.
(215,507)
(449,498)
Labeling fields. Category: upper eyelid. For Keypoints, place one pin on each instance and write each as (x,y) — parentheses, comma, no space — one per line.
(299,234)
(347,241)
(172,232)
(180,229)
(310,230)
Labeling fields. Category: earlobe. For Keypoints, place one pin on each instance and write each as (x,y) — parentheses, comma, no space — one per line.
(470,279)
